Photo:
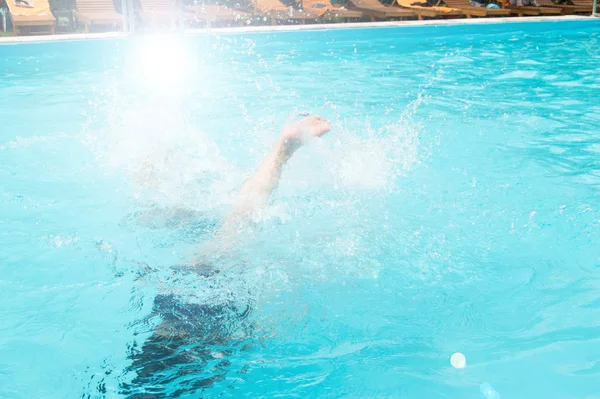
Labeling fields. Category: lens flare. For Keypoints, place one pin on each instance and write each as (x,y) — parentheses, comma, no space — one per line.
(161,63)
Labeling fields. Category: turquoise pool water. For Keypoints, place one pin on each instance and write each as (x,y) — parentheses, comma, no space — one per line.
(452,208)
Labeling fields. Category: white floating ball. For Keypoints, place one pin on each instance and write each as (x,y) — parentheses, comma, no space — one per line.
(458,360)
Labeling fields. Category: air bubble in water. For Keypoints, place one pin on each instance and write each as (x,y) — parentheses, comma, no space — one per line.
(458,360)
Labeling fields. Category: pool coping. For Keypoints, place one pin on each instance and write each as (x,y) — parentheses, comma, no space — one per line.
(312,27)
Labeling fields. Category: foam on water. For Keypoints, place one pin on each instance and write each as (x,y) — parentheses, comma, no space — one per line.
(518,75)
(175,170)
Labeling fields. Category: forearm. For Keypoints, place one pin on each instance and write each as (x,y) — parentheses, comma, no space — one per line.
(256,190)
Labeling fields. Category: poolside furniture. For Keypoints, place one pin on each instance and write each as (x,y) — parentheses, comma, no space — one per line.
(161,13)
(275,10)
(93,13)
(470,10)
(31,16)
(567,9)
(583,6)
(377,10)
(522,11)
(215,14)
(550,4)
(433,11)
(324,9)
(156,11)
(531,10)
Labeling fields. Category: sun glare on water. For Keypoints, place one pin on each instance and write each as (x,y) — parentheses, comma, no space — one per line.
(161,63)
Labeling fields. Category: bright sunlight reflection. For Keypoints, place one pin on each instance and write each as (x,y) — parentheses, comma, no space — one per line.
(162,63)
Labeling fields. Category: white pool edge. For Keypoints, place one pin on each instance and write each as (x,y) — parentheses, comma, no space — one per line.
(283,28)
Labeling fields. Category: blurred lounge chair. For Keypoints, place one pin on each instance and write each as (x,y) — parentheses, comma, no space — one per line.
(577,7)
(276,11)
(325,10)
(531,10)
(94,13)
(164,13)
(31,16)
(377,10)
(216,14)
(423,10)
(469,10)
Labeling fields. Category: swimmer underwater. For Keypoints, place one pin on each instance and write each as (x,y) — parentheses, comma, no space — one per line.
(180,358)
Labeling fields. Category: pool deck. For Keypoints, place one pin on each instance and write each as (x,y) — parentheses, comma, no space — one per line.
(260,29)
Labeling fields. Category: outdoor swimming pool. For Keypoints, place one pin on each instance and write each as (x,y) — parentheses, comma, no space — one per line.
(452,208)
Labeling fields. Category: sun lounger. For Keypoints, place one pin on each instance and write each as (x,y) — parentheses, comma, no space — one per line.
(577,7)
(162,13)
(584,6)
(324,9)
(522,11)
(157,12)
(550,3)
(213,14)
(31,16)
(434,11)
(376,10)
(470,10)
(275,10)
(92,13)
(531,10)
